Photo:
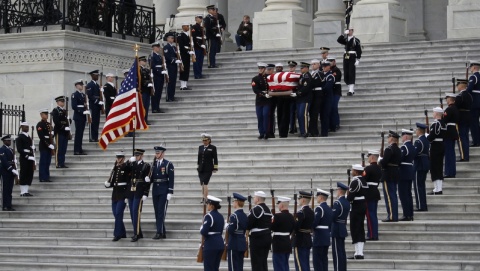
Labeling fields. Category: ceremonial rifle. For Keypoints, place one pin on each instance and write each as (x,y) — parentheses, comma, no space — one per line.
(382,146)
(362,154)
(164,66)
(69,121)
(220,32)
(466,65)
(101,92)
(426,120)
(87,106)
(33,150)
(50,130)
(180,67)
(16,178)
(440,99)
(453,83)
(311,192)
(331,193)
(229,213)
(272,192)
(200,249)
(116,80)
(247,232)
(349,177)
(294,202)
(192,46)
(348,12)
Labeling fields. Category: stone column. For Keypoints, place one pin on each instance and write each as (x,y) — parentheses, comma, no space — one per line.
(187,11)
(282,24)
(163,9)
(377,21)
(415,8)
(463,19)
(329,22)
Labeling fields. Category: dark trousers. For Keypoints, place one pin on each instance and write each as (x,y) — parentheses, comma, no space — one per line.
(61,149)
(239,40)
(420,191)
(160,205)
(302,115)
(475,125)
(259,248)
(211,259)
(172,81)
(118,207)
(44,165)
(235,260)
(391,199)
(463,130)
(437,152)
(334,116)
(273,108)
(405,195)
(186,67)
(301,257)
(293,115)
(130,206)
(314,112)
(146,102)
(320,258)
(136,215)
(349,70)
(372,219)
(283,115)
(79,129)
(357,218)
(263,119)
(198,65)
(338,254)
(158,82)
(213,48)
(7,188)
(95,114)
(280,261)
(450,163)
(326,109)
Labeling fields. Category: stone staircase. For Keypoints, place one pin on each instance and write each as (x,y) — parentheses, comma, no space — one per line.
(68,224)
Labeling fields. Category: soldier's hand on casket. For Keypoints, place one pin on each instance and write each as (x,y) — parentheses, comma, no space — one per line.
(357,62)
(203,46)
(15,172)
(100,103)
(31,158)
(101,89)
(293,94)
(178,61)
(150,85)
(107,184)
(67,128)
(147,179)
(164,72)
(169,196)
(267,96)
(86,112)
(144,198)
(51,147)
(132,159)
(218,35)
(191,52)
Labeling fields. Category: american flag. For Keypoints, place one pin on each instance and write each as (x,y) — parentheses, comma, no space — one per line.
(127,111)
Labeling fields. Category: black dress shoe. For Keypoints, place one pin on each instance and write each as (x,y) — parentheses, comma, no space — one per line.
(351,258)
(28,194)
(359,257)
(45,181)
(421,210)
(371,239)
(23,195)
(164,236)
(93,140)
(187,88)
(8,209)
(406,218)
(149,123)
(388,220)
(435,193)
(116,238)
(134,238)
(160,111)
(260,136)
(63,166)
(266,137)
(349,93)
(474,145)
(76,153)
(448,177)
(157,236)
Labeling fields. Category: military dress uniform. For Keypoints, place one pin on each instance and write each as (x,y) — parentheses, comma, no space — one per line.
(304,98)
(437,151)
(321,234)
(356,196)
(46,147)
(407,174)
(450,118)
(317,101)
(474,89)
(390,177)
(207,162)
(337,94)
(211,230)
(8,172)
(79,100)
(464,101)
(259,225)
(26,151)
(283,225)
(340,210)
(110,92)
(140,187)
(93,92)
(183,40)
(353,53)
(156,65)
(61,131)
(421,165)
(211,31)
(146,87)
(197,36)
(302,241)
(326,107)
(372,176)
(237,244)
(170,53)
(262,103)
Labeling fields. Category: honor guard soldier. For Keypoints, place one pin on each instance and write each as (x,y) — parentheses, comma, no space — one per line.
(140,188)
(356,195)
(327,88)
(437,151)
(158,76)
(8,170)
(95,103)
(237,225)
(147,85)
(207,162)
(474,89)
(109,92)
(421,165)
(351,58)
(450,118)
(321,231)
(26,151)
(198,37)
(163,178)
(464,101)
(61,131)
(80,116)
(270,69)
(211,230)
(317,98)
(324,53)
(304,97)
(45,145)
(183,40)
(283,104)
(340,210)
(406,175)
(391,175)
(259,225)
(170,53)
(283,225)
(222,26)
(213,36)
(337,94)
(120,182)
(262,101)
(302,242)
(372,176)
(292,66)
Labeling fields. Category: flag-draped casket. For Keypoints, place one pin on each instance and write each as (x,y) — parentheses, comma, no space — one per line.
(282,83)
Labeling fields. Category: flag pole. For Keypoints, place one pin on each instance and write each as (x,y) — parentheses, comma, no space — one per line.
(134,121)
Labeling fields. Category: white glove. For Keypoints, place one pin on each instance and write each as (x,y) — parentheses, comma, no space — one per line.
(347,32)
(144,198)
(67,128)
(150,85)
(15,160)
(164,72)
(178,61)
(100,103)
(33,147)
(52,132)
(132,159)
(226,225)
(426,134)
(31,158)
(86,112)
(379,159)
(107,184)
(203,46)
(186,47)
(244,32)
(15,172)
(293,94)
(267,96)
(126,201)
(204,37)
(101,89)
(51,147)
(218,35)
(147,179)
(357,62)
(191,52)
(169,196)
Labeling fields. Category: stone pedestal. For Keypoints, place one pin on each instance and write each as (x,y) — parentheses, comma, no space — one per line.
(463,19)
(378,21)
(163,10)
(187,11)
(415,10)
(329,23)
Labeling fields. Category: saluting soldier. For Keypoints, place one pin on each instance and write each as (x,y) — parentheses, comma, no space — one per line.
(207,162)
(80,115)
(120,182)
(327,101)
(211,230)
(406,175)
(372,176)
(351,58)
(304,98)
(259,225)
(140,188)
(61,131)
(340,210)
(8,171)
(390,163)
(237,225)
(93,93)
(464,101)
(321,231)
(158,74)
(450,118)
(356,196)
(317,98)
(170,53)
(474,89)
(213,36)
(163,178)
(421,165)
(110,92)
(183,40)
(262,101)
(302,241)
(292,66)
(26,151)
(45,145)
(283,225)
(199,46)
(337,94)
(437,151)
(147,85)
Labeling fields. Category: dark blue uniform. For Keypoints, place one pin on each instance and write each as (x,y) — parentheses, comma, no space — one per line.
(317,102)
(463,101)
(437,150)
(197,36)
(7,164)
(237,244)
(211,230)
(156,64)
(45,139)
(207,162)
(146,89)
(321,236)
(170,53)
(326,106)
(372,176)
(93,93)
(341,208)
(211,29)
(24,144)
(407,174)
(450,118)
(302,241)
(262,105)
(337,94)
(356,196)
(283,225)
(304,98)
(140,188)
(259,225)
(78,107)
(421,165)
(109,92)
(474,89)
(353,51)
(62,133)
(390,177)
(162,178)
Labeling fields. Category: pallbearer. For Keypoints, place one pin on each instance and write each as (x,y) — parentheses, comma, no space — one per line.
(341,209)
(292,66)
(259,225)
(45,145)
(321,231)
(304,97)
(212,229)
(391,175)
(283,225)
(61,131)
(236,234)
(337,94)
(302,242)
(262,101)
(26,151)
(421,165)
(372,176)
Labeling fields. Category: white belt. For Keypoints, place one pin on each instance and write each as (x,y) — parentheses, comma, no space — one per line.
(26,150)
(451,124)
(438,139)
(317,89)
(113,98)
(408,164)
(80,105)
(338,83)
(257,230)
(281,233)
(213,233)
(158,66)
(120,184)
(372,183)
(321,227)
(351,52)
(476,91)
(359,198)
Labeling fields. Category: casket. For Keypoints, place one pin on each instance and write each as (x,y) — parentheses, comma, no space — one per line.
(282,83)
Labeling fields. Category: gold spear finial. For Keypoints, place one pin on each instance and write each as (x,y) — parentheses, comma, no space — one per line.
(136,48)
